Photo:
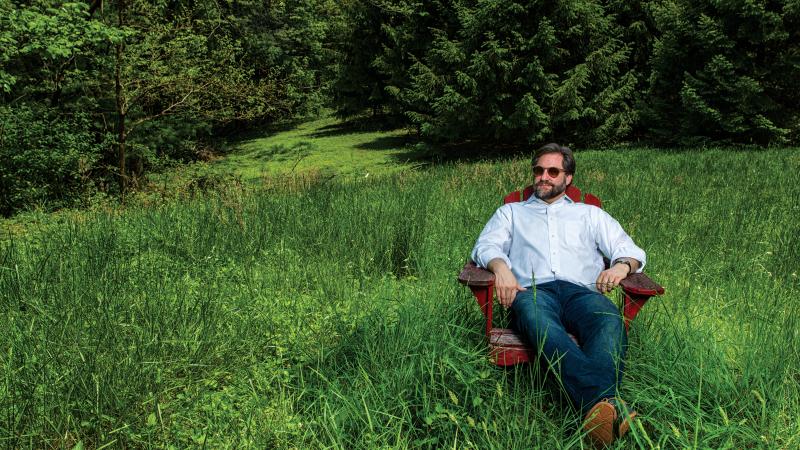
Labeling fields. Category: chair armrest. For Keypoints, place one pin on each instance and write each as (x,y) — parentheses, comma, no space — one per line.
(472,275)
(640,284)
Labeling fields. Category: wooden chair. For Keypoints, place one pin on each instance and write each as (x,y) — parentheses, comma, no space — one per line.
(505,347)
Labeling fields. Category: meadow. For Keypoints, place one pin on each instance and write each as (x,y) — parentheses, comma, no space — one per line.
(309,311)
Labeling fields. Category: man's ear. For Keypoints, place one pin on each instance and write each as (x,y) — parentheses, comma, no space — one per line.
(569,179)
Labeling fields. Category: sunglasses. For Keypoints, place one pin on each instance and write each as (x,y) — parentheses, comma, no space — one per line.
(551,171)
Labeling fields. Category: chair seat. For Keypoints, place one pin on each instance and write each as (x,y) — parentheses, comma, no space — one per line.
(506,348)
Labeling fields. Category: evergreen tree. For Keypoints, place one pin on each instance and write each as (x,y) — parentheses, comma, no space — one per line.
(287,46)
(725,71)
(505,71)
(521,73)
(363,71)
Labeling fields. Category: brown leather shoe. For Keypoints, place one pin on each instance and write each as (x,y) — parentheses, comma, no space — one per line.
(599,423)
(607,421)
(624,418)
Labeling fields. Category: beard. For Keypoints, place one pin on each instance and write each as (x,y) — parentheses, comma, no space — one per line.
(544,190)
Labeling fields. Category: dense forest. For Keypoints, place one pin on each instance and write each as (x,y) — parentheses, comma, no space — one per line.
(93,94)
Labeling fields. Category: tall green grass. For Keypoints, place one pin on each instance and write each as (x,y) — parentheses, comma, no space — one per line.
(325,313)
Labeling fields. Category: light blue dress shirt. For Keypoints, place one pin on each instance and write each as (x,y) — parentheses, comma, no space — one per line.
(564,240)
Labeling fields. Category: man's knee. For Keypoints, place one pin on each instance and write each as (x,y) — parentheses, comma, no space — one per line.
(535,315)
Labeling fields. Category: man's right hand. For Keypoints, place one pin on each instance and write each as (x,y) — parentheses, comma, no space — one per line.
(505,283)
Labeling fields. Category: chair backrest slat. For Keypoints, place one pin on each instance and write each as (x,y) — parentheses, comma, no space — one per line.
(572,192)
(512,197)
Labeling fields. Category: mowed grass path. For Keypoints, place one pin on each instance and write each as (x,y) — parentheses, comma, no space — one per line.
(324,313)
(324,146)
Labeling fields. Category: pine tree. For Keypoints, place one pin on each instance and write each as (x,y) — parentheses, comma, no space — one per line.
(725,71)
(521,73)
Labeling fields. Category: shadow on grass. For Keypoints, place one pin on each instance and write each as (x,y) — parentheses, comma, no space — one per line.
(469,151)
(407,148)
(281,152)
(357,125)
(427,154)
(386,143)
(245,133)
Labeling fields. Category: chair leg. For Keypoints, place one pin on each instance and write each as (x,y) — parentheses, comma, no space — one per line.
(632,303)
(484,296)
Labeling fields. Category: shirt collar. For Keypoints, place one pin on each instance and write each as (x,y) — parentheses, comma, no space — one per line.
(533,200)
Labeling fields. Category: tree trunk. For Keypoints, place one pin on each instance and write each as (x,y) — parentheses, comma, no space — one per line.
(121,107)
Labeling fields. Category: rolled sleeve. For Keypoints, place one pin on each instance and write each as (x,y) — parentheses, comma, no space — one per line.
(495,239)
(614,242)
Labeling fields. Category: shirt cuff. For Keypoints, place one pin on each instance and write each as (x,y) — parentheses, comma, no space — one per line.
(483,260)
(638,259)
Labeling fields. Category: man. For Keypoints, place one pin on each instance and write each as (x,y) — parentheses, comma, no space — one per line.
(557,246)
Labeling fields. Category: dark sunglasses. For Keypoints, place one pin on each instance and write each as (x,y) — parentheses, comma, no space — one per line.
(551,171)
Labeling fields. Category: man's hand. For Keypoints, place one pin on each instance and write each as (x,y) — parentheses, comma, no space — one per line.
(610,278)
(505,283)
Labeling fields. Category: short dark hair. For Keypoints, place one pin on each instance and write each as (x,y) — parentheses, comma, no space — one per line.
(569,160)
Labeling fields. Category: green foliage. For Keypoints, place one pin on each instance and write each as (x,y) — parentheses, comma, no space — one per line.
(586,72)
(167,79)
(45,158)
(53,49)
(171,79)
(725,71)
(364,70)
(496,71)
(174,77)
(548,71)
(183,62)
(287,44)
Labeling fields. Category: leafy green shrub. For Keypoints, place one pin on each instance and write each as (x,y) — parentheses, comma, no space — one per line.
(169,138)
(45,158)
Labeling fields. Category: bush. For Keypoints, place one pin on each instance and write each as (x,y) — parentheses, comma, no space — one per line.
(45,157)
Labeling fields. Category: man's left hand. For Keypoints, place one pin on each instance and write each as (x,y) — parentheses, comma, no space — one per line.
(610,278)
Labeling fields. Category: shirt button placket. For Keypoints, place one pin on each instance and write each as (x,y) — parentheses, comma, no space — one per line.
(552,224)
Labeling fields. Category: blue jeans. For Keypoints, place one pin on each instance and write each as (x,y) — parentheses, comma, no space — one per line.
(544,314)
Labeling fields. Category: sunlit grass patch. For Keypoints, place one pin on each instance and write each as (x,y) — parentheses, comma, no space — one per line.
(324,146)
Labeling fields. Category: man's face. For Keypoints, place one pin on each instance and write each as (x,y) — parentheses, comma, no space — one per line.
(547,187)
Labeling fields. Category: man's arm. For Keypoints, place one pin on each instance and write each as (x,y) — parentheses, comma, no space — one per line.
(505,282)
(491,252)
(615,243)
(495,239)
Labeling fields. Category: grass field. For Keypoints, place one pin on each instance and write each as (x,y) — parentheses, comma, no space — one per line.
(324,313)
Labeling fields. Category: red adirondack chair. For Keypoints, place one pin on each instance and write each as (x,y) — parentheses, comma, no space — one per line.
(505,347)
